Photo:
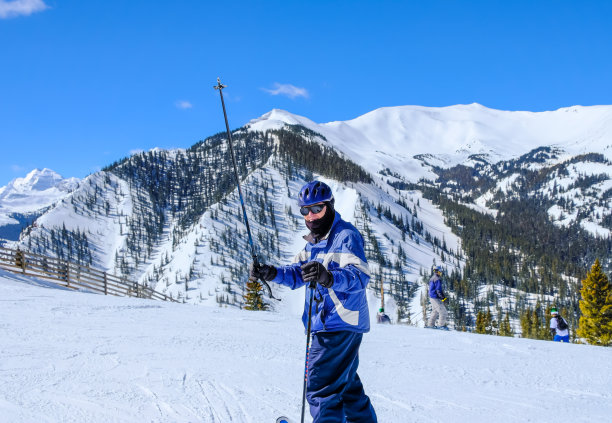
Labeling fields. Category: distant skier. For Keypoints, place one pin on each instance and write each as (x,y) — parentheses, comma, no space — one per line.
(558,327)
(381,316)
(333,262)
(437,300)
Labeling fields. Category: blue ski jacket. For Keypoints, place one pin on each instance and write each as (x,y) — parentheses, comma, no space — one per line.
(344,305)
(435,288)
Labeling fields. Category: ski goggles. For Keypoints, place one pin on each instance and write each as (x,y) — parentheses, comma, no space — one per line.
(316,209)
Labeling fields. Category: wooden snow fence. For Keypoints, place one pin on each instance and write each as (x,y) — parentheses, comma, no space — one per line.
(73,275)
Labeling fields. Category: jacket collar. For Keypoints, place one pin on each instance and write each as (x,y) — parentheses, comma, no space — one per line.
(312,240)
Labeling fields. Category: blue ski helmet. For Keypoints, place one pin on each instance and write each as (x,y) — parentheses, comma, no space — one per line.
(315,192)
(437,269)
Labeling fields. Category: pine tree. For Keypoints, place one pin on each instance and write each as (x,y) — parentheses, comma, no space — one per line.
(481,322)
(527,323)
(596,305)
(532,326)
(254,297)
(505,329)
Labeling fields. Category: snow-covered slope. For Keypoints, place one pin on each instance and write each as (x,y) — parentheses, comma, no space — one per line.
(76,357)
(391,137)
(407,141)
(207,261)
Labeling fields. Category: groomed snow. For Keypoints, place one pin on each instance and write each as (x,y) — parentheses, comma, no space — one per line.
(78,357)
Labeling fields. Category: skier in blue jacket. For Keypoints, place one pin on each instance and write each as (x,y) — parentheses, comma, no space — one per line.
(437,300)
(333,262)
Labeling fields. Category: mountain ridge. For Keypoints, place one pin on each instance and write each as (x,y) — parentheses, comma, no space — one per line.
(460,131)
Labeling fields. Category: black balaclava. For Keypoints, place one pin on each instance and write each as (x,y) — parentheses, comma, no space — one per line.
(320,227)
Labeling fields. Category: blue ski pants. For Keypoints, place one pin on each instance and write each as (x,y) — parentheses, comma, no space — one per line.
(334,390)
(558,338)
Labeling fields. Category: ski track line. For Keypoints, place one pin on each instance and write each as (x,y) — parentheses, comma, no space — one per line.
(152,394)
(237,400)
(516,402)
(420,415)
(395,402)
(210,393)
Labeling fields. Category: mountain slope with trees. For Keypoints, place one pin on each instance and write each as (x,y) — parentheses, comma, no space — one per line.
(515,234)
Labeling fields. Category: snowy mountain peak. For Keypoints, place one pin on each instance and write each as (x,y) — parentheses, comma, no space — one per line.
(37,190)
(277,118)
(39,180)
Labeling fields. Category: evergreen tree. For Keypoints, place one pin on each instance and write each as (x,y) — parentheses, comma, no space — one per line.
(485,323)
(527,323)
(596,305)
(505,329)
(480,322)
(254,297)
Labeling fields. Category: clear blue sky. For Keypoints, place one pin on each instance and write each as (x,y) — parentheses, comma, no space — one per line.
(84,83)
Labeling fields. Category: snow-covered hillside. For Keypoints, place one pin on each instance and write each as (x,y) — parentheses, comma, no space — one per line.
(74,357)
(207,262)
(391,137)
(408,141)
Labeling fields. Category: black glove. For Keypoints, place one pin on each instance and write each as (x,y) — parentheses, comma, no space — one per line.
(262,271)
(315,272)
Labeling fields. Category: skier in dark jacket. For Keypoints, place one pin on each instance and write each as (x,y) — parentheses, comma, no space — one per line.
(559,328)
(333,263)
(382,317)
(437,300)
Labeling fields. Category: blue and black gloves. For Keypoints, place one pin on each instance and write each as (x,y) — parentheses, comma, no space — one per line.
(262,271)
(315,272)
(312,272)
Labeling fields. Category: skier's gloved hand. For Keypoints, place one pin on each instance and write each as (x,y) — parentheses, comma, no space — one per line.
(262,271)
(314,271)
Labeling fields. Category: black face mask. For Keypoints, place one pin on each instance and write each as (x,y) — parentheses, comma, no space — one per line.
(320,227)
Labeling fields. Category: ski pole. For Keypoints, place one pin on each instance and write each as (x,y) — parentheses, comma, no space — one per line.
(220,87)
(420,319)
(312,288)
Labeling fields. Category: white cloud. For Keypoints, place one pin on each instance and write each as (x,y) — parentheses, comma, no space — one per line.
(18,168)
(288,90)
(136,151)
(183,104)
(13,8)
